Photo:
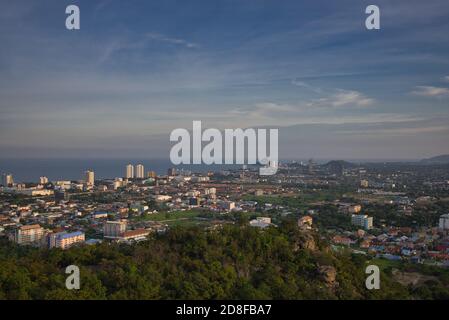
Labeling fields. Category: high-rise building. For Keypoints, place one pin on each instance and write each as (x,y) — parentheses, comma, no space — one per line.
(7,180)
(171,172)
(43,180)
(90,177)
(140,171)
(29,234)
(129,174)
(113,229)
(362,220)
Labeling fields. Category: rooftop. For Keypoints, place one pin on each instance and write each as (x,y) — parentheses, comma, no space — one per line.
(30,227)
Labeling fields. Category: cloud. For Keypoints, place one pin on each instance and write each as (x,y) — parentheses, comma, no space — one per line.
(429,91)
(146,77)
(338,98)
(309,111)
(120,43)
(397,131)
(343,98)
(298,83)
(305,85)
(176,41)
(266,110)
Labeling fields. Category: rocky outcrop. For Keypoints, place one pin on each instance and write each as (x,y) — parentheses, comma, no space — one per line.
(328,274)
(306,241)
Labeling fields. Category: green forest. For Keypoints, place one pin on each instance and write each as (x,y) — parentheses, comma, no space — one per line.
(235,262)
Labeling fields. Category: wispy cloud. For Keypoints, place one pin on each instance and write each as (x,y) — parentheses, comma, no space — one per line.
(430,91)
(336,98)
(302,84)
(122,43)
(176,41)
(320,110)
(343,98)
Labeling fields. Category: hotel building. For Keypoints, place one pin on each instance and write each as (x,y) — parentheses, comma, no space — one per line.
(29,234)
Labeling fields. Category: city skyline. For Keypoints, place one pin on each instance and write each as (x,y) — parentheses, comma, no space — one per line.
(131,74)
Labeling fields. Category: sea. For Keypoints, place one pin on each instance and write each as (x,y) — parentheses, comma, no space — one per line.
(29,170)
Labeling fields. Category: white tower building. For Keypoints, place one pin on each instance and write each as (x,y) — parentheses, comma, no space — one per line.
(129,171)
(140,171)
(90,177)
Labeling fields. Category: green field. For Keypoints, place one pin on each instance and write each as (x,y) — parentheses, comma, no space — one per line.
(385,263)
(175,218)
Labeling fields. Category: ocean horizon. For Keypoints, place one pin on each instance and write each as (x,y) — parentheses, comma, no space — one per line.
(29,170)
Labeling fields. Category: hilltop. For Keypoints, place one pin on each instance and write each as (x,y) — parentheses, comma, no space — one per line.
(441,159)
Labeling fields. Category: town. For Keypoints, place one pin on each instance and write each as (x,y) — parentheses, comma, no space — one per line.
(394,211)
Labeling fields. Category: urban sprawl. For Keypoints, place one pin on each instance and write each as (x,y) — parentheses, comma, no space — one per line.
(395,211)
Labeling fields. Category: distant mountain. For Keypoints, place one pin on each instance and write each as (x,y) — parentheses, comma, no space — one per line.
(340,163)
(338,166)
(443,159)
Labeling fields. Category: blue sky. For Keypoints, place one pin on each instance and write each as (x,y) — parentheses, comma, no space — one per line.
(138,69)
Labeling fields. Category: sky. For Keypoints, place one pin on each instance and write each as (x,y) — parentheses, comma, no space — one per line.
(136,70)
